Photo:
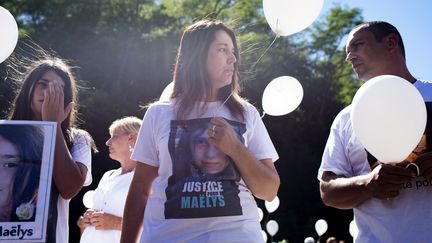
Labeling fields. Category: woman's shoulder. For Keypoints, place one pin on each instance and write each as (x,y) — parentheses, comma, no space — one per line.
(111,172)
(160,109)
(79,135)
(250,109)
(247,105)
(161,105)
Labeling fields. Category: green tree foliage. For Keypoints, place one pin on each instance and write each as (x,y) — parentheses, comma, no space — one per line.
(125,51)
(328,38)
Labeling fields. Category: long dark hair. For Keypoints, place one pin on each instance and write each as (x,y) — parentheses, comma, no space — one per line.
(21,107)
(191,80)
(30,72)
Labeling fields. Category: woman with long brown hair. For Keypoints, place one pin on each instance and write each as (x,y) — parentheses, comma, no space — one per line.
(48,93)
(181,206)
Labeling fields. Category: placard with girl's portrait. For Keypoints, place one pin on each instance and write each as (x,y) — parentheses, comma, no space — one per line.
(26,165)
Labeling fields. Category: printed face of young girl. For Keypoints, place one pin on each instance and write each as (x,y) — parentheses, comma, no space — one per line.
(41,87)
(220,60)
(9,161)
(206,157)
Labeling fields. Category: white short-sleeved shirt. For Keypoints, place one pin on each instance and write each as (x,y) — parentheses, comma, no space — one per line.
(81,152)
(188,203)
(109,197)
(405,218)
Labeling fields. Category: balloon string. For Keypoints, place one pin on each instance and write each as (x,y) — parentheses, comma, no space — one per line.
(263,115)
(253,66)
(223,103)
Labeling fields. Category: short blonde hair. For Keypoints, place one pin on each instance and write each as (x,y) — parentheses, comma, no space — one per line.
(127,125)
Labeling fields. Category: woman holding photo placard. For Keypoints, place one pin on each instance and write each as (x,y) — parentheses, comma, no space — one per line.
(48,93)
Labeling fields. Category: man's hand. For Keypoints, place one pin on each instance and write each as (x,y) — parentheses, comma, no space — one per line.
(386,181)
(424,162)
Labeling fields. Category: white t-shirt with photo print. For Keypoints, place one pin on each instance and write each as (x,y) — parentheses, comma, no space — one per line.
(198,207)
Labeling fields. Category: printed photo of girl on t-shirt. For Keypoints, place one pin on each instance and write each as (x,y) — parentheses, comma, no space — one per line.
(204,182)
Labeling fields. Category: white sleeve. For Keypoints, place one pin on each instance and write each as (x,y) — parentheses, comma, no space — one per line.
(259,142)
(81,152)
(332,151)
(335,158)
(145,150)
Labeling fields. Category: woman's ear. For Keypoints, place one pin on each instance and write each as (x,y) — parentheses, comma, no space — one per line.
(132,139)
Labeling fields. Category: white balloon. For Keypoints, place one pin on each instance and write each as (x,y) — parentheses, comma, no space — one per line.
(9,34)
(353,230)
(272,227)
(260,214)
(88,199)
(166,93)
(282,95)
(271,206)
(287,17)
(309,240)
(388,117)
(264,235)
(321,226)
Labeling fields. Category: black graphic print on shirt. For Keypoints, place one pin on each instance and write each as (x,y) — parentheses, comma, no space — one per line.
(204,182)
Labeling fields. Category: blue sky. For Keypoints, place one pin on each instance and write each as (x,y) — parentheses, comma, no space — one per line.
(413,19)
